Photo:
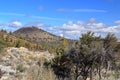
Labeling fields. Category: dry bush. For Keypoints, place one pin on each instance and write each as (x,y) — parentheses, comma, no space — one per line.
(37,73)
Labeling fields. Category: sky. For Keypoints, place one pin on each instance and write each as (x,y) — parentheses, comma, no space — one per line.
(70,18)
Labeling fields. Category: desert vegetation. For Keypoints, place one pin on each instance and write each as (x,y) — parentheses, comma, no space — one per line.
(90,58)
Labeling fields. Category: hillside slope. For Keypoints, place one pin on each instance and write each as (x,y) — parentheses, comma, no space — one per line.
(47,40)
(37,35)
(9,40)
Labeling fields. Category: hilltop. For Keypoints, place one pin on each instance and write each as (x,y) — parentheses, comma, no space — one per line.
(42,37)
(31,38)
(36,34)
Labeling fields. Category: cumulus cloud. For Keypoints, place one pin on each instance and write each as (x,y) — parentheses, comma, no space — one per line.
(74,30)
(12,24)
(16,23)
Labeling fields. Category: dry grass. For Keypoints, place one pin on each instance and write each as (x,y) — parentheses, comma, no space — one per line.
(37,73)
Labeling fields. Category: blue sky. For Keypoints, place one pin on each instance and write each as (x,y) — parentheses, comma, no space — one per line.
(62,17)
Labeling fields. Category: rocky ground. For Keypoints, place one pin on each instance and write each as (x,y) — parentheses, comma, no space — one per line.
(14,61)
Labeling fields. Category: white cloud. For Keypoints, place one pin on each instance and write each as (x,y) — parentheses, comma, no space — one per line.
(69,30)
(92,20)
(89,10)
(70,26)
(117,22)
(16,23)
(11,26)
(38,24)
(80,10)
(31,16)
(74,30)
(46,18)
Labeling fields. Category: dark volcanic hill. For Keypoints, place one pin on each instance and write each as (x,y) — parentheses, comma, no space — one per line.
(37,35)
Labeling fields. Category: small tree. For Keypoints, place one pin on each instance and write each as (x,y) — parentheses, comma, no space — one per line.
(89,54)
(84,55)
(17,44)
(61,65)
